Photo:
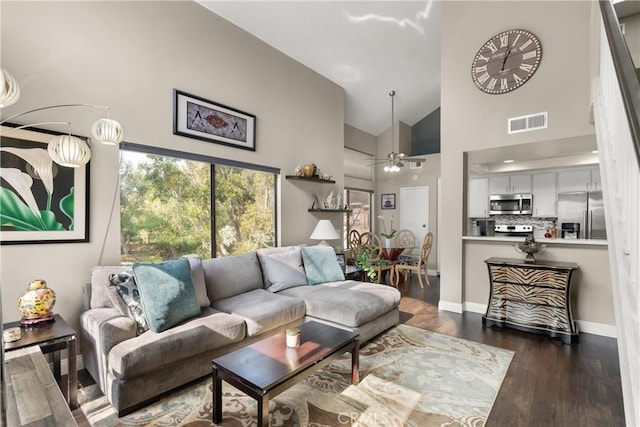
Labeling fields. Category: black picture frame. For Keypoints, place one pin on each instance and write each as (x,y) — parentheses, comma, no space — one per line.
(388,201)
(40,201)
(200,118)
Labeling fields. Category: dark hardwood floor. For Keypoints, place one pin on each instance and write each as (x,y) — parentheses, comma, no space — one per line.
(548,384)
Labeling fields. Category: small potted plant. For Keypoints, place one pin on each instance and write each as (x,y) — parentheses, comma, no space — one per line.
(388,236)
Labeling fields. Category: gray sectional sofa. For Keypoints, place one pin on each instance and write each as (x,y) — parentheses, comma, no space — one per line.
(242,298)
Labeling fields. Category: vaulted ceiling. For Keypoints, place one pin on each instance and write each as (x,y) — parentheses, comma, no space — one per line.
(367,47)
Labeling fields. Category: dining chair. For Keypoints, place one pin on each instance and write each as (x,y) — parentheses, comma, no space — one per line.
(378,262)
(405,239)
(354,239)
(406,265)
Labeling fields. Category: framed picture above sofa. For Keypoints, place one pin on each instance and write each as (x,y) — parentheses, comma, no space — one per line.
(200,118)
(40,201)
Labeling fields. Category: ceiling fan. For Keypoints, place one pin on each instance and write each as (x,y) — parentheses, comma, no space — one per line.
(394,160)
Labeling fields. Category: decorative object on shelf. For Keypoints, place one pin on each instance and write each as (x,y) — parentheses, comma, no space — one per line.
(325,176)
(309,170)
(530,247)
(293,337)
(40,202)
(388,201)
(324,231)
(199,118)
(298,170)
(506,61)
(36,303)
(331,201)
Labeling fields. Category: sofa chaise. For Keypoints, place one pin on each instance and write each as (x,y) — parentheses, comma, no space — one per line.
(239,299)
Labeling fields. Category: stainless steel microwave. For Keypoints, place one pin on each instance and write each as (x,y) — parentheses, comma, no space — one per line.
(510,204)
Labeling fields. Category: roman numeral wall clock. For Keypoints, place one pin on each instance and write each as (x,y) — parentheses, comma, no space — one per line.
(506,61)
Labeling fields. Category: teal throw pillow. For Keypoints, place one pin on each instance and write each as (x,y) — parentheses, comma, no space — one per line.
(128,291)
(167,293)
(321,265)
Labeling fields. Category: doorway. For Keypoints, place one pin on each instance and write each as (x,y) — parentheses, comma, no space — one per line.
(414,212)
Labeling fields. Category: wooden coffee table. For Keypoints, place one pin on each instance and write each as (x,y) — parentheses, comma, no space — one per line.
(267,368)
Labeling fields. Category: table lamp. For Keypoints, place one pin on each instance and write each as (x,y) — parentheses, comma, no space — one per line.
(324,231)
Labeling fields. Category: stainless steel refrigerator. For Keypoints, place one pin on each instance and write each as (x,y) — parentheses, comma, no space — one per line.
(585,208)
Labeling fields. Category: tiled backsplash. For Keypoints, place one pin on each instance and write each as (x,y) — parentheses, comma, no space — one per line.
(540,225)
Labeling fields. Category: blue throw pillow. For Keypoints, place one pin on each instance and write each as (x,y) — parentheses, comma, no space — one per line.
(321,265)
(167,293)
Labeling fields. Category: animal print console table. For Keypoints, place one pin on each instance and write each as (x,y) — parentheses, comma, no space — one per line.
(532,297)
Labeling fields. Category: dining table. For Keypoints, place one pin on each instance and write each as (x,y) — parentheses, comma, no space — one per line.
(392,254)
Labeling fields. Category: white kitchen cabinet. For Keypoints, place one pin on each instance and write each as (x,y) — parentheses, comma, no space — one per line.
(521,183)
(596,185)
(579,180)
(510,184)
(499,184)
(544,195)
(478,198)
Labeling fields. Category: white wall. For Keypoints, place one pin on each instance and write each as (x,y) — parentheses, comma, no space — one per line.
(130,55)
(474,120)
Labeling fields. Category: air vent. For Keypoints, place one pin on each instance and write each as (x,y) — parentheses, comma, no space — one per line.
(527,123)
(415,165)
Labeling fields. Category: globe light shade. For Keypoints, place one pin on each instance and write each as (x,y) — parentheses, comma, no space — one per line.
(108,132)
(9,89)
(324,231)
(69,151)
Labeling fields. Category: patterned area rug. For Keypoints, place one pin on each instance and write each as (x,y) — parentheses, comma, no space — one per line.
(408,377)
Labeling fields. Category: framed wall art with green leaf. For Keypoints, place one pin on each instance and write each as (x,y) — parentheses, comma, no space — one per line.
(40,201)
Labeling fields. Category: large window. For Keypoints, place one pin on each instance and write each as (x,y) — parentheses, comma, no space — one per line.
(173,205)
(360,216)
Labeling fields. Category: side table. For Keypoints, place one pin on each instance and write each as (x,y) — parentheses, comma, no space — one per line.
(51,337)
(351,272)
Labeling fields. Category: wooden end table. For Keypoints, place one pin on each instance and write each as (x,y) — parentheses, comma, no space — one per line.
(268,367)
(51,337)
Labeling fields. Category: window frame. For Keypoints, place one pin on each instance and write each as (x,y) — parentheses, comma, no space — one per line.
(213,162)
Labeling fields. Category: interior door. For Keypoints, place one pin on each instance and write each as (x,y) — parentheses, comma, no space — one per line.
(414,212)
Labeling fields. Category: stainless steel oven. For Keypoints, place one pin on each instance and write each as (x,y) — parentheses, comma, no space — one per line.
(510,204)
(516,230)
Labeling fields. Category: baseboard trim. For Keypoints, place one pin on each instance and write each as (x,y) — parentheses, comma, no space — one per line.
(474,307)
(583,325)
(597,329)
(450,306)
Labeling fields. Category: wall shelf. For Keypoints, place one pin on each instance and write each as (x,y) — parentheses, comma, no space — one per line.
(312,179)
(330,210)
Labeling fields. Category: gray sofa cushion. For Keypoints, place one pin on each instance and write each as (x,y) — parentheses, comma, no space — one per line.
(349,303)
(229,276)
(103,293)
(262,310)
(151,351)
(198,280)
(282,268)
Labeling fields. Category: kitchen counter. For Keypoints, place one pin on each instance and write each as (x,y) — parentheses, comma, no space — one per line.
(586,242)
